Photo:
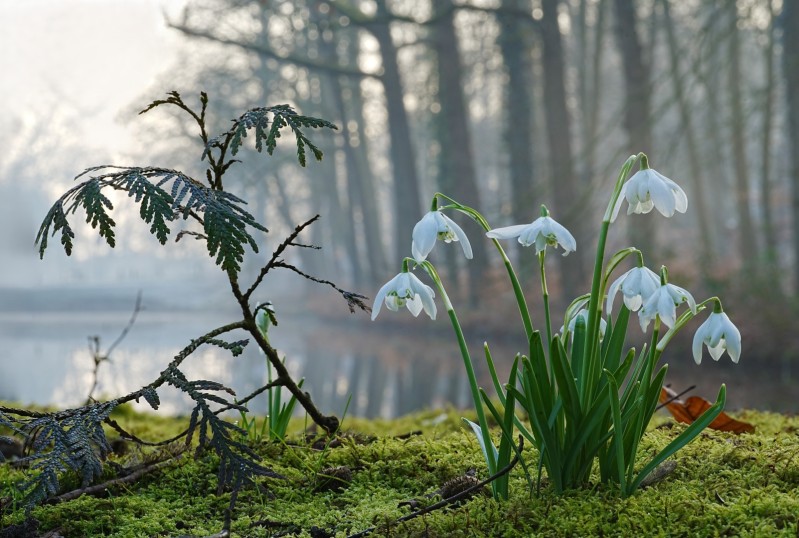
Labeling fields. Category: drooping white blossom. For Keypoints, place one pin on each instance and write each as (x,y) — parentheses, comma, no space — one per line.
(542,232)
(636,285)
(406,289)
(717,333)
(649,189)
(663,303)
(436,225)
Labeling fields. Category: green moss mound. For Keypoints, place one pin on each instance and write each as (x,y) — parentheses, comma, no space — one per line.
(723,485)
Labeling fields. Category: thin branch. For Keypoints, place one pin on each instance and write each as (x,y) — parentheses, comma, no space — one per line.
(269,53)
(353,299)
(289,241)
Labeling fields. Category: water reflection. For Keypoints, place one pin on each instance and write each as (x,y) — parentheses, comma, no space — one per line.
(381,370)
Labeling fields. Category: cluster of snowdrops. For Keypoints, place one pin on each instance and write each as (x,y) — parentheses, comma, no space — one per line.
(587,399)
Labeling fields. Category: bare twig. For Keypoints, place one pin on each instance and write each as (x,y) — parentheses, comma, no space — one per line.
(99,357)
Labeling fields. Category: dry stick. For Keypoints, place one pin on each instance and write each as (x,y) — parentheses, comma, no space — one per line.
(100,357)
(455,498)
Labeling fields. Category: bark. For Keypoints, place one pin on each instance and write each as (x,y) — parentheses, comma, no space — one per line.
(747,246)
(790,67)
(407,198)
(769,232)
(515,47)
(569,207)
(702,211)
(590,84)
(457,154)
(637,111)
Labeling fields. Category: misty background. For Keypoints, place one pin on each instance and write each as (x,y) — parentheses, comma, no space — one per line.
(503,105)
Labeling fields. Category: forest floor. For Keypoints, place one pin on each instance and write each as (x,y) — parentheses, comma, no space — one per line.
(376,472)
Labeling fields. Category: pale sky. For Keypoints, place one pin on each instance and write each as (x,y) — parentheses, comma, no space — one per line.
(79,69)
(93,57)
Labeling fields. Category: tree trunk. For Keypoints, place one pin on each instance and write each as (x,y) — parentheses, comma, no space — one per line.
(637,112)
(457,154)
(790,66)
(515,47)
(407,199)
(569,208)
(590,85)
(747,246)
(769,233)
(702,211)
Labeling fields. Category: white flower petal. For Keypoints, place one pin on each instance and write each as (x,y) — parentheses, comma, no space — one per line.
(381,295)
(508,232)
(414,305)
(424,236)
(696,347)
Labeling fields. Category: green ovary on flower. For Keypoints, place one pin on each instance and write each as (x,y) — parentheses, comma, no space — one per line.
(406,289)
(717,333)
(436,225)
(543,232)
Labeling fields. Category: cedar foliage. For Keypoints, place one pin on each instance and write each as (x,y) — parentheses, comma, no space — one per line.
(74,440)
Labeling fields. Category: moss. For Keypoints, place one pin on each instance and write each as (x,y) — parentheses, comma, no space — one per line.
(724,485)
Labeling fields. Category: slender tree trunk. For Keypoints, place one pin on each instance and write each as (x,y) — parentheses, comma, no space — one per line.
(769,232)
(590,83)
(407,199)
(702,211)
(558,121)
(637,112)
(747,246)
(456,143)
(790,66)
(516,47)
(372,226)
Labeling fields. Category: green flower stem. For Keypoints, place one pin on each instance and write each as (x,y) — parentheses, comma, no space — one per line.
(545,294)
(517,288)
(591,369)
(467,362)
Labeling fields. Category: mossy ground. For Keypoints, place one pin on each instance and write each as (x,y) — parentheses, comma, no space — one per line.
(723,485)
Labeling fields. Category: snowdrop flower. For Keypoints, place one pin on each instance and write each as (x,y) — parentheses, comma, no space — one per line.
(663,303)
(649,188)
(717,333)
(436,225)
(543,231)
(406,289)
(584,313)
(637,285)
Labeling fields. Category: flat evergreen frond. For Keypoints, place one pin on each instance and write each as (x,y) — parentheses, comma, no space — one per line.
(258,119)
(162,195)
(236,348)
(62,442)
(155,205)
(151,397)
(96,204)
(173,99)
(225,226)
(237,462)
(58,220)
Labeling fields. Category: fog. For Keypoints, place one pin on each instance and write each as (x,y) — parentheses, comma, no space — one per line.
(502,105)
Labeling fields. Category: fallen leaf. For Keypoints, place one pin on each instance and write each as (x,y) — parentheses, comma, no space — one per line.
(692,408)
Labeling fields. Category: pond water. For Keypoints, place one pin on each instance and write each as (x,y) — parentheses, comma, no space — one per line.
(381,369)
